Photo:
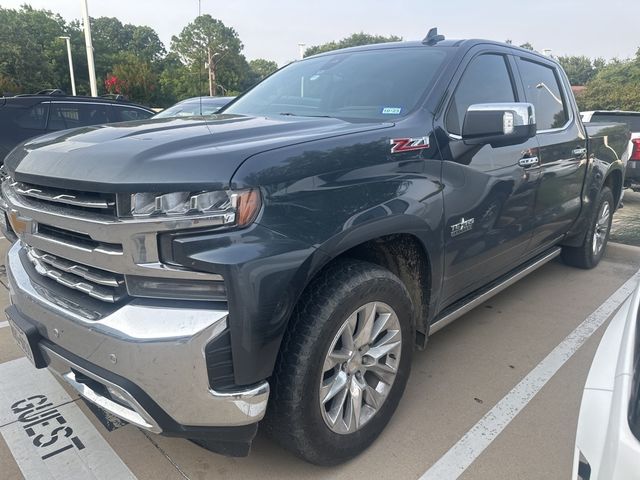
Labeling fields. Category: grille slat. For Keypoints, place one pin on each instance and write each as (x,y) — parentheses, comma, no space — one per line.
(96,283)
(97,202)
(92,274)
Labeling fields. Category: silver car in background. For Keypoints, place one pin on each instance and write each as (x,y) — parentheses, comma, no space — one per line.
(195,107)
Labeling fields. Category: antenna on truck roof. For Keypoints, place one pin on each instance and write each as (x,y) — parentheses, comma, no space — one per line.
(432,37)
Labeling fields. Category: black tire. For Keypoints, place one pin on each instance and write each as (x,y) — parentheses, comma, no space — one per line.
(586,256)
(294,417)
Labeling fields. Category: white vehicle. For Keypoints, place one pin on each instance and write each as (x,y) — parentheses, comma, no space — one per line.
(608,437)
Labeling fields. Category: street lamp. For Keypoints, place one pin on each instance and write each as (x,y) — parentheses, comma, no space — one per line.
(553,95)
(87,40)
(211,66)
(73,80)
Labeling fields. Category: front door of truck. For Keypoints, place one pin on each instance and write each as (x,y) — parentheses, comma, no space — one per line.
(488,195)
(562,153)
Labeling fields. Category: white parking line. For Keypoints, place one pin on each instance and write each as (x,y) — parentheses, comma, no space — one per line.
(453,463)
(46,431)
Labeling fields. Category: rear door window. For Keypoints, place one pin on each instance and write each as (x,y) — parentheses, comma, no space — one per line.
(543,90)
(72,115)
(485,80)
(34,117)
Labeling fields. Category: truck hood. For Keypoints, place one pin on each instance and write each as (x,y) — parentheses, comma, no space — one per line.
(171,154)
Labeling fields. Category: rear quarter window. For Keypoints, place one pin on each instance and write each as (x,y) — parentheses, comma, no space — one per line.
(125,114)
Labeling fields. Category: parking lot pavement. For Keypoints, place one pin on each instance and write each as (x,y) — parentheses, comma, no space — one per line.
(467,368)
(626,221)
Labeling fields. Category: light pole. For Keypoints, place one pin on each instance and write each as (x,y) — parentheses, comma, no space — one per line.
(553,95)
(73,80)
(213,63)
(89,44)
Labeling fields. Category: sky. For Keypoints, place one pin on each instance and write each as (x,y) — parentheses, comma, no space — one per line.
(273,29)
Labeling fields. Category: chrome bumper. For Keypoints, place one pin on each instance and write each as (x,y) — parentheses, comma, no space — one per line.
(158,349)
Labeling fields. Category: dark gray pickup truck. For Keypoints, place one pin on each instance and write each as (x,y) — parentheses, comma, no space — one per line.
(279,262)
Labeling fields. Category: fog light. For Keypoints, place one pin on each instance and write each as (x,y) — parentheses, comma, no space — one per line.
(176,289)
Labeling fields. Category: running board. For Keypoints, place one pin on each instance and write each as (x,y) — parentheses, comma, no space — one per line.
(471,304)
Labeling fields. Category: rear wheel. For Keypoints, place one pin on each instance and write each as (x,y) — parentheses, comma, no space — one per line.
(343,364)
(589,254)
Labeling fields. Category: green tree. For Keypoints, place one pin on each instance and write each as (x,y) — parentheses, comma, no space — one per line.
(527,46)
(615,86)
(579,69)
(204,37)
(114,42)
(261,68)
(354,40)
(28,53)
(137,79)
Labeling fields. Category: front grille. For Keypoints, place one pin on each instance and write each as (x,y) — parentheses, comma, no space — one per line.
(104,203)
(99,284)
(76,239)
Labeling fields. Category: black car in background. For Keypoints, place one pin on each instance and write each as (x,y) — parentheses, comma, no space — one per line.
(27,116)
(195,106)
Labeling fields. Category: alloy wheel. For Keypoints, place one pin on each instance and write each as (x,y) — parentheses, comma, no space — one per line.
(360,367)
(602,228)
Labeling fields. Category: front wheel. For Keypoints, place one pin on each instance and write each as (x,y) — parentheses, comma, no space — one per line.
(589,254)
(343,364)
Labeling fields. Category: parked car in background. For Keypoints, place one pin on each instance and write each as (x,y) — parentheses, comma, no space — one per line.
(608,437)
(26,116)
(196,106)
(632,119)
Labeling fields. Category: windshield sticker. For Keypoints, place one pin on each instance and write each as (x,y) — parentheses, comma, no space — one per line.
(391,110)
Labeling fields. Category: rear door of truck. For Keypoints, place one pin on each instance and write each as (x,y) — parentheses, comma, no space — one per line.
(562,151)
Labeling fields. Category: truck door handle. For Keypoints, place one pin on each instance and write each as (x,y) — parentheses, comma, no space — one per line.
(578,152)
(528,162)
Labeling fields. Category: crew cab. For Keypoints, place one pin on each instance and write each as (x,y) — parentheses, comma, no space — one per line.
(280,261)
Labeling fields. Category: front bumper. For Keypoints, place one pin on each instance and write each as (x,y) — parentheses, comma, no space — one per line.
(150,356)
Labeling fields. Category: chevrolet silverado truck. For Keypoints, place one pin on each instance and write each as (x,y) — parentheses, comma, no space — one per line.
(280,261)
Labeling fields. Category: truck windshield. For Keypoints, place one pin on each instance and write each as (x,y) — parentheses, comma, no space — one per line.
(377,85)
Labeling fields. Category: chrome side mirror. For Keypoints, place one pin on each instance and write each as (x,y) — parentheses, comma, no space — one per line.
(499,123)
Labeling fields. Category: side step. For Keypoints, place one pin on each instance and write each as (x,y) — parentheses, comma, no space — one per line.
(484,295)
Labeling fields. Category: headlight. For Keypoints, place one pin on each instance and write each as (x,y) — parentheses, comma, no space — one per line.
(239,208)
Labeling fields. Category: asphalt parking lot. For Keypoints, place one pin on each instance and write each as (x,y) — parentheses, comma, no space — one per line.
(467,369)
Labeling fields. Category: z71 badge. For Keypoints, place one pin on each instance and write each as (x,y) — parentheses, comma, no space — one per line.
(463,226)
(399,145)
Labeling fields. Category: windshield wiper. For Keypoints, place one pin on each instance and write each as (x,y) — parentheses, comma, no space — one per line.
(290,114)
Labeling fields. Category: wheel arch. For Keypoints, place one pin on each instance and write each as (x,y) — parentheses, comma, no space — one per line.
(397,245)
(600,174)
